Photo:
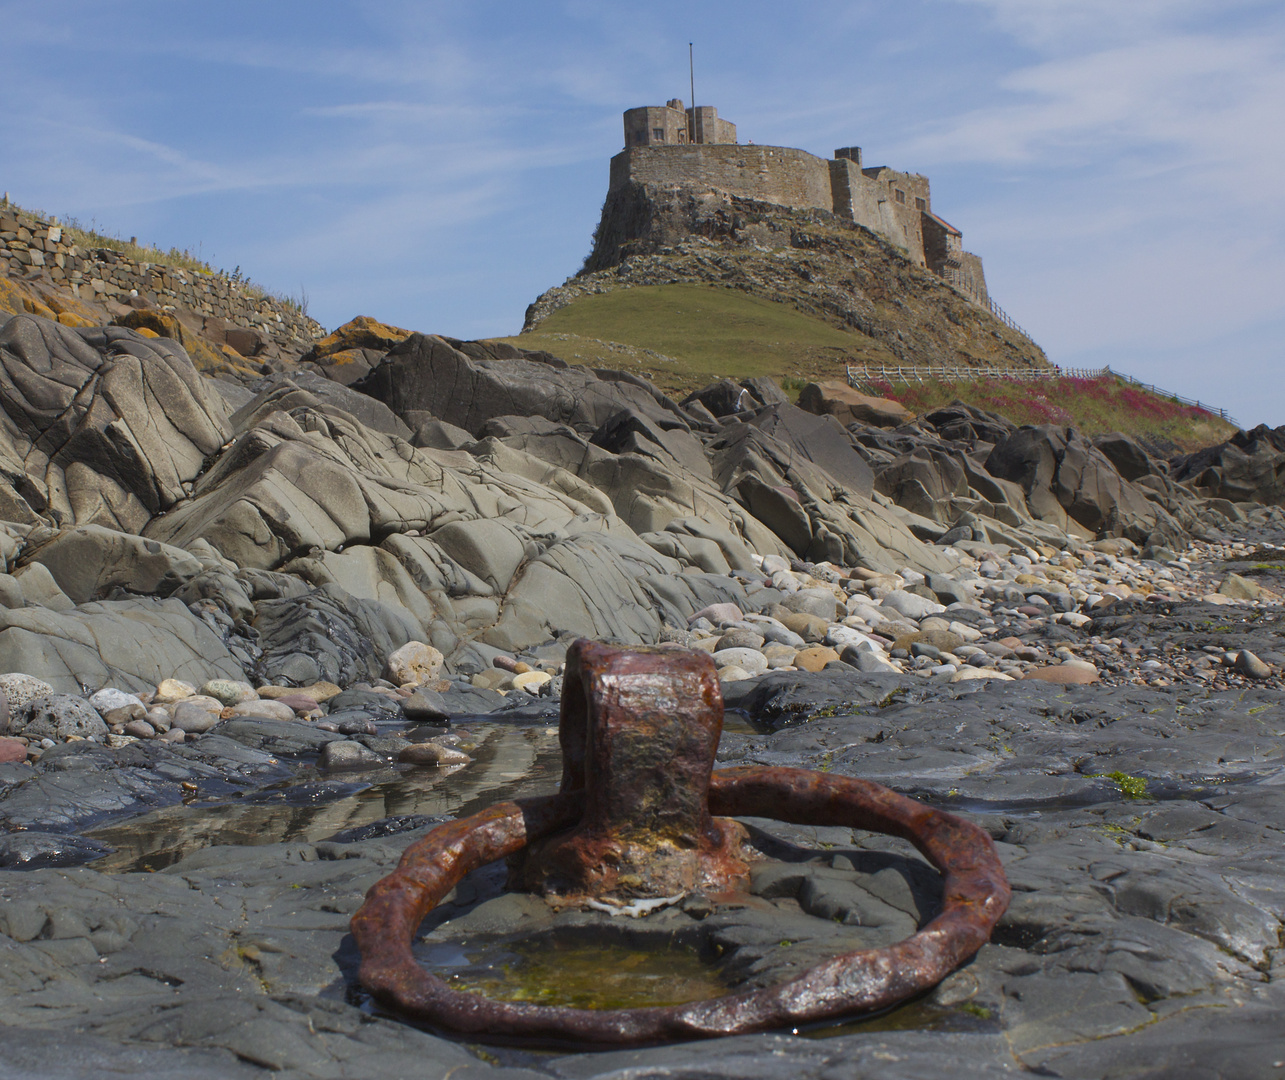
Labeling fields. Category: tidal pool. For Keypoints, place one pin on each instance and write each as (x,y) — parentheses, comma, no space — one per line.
(508,762)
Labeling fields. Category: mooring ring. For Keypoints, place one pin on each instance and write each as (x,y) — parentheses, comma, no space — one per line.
(975,895)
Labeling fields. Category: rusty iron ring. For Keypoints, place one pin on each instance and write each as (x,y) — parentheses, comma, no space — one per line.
(975,895)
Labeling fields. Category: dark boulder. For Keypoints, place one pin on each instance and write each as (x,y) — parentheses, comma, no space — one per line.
(723,398)
(1064,477)
(1129,458)
(427,374)
(1249,467)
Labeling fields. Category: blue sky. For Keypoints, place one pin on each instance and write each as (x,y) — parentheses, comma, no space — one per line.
(1117,163)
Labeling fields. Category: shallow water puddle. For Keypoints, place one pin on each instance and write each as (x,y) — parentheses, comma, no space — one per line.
(584,974)
(508,762)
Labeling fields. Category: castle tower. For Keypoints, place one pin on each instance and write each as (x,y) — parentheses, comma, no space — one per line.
(672,125)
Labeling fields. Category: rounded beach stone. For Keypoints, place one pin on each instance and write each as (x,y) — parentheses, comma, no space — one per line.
(63,716)
(414,662)
(123,715)
(318,691)
(751,660)
(172,690)
(196,714)
(972,674)
(431,753)
(1249,664)
(21,690)
(302,704)
(140,729)
(911,605)
(738,638)
(733,673)
(12,750)
(229,692)
(348,754)
(109,700)
(273,710)
(811,628)
(1077,674)
(815,658)
(531,681)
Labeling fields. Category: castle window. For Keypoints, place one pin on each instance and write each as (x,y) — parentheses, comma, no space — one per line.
(901,195)
(658,134)
(640,137)
(921,204)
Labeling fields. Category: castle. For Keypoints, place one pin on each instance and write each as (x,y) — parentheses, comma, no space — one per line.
(696,148)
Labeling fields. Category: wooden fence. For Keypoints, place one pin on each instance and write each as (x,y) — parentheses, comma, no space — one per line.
(866,375)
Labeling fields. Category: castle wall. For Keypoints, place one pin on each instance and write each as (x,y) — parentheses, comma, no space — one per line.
(771,173)
(28,244)
(904,199)
(857,197)
(973,278)
(897,205)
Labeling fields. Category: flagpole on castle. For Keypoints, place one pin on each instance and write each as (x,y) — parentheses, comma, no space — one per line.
(691,70)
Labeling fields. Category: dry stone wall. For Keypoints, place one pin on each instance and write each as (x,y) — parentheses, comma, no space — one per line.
(33,246)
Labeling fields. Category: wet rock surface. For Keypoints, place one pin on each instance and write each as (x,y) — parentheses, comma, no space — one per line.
(247,657)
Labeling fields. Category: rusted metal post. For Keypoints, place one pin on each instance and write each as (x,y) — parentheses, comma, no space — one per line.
(639,730)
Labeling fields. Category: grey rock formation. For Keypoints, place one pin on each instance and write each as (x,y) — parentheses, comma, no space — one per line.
(1246,468)
(100,426)
(128,644)
(427,374)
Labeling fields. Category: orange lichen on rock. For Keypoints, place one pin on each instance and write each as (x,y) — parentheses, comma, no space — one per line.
(362,332)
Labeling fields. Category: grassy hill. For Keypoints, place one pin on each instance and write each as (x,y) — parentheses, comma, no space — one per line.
(685,336)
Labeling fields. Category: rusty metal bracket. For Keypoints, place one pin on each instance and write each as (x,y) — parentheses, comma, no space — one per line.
(624,713)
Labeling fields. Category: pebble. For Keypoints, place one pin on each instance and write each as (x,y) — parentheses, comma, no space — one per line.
(348,754)
(172,690)
(749,660)
(109,700)
(21,690)
(431,753)
(302,704)
(272,710)
(1249,664)
(531,681)
(739,639)
(196,714)
(415,662)
(319,692)
(815,658)
(229,692)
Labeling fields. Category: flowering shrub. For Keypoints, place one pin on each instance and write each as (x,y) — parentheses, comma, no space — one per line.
(1094,406)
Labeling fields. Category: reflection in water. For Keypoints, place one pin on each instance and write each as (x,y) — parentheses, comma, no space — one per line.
(508,762)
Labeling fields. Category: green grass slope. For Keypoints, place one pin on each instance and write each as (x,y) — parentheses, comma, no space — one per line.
(685,336)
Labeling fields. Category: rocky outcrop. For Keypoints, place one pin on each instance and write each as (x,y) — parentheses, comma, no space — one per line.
(100,426)
(1249,467)
(478,498)
(816,262)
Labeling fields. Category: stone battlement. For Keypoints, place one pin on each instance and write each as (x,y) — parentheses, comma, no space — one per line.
(896,205)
